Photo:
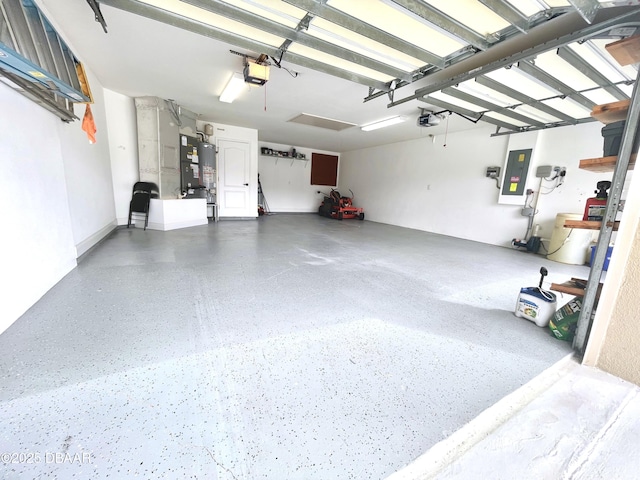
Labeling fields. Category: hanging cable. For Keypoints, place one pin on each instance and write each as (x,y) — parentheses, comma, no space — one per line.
(557,249)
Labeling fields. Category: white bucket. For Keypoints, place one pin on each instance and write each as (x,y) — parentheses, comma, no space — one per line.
(569,245)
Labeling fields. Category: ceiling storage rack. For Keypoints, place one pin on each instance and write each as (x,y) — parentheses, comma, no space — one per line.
(520,65)
(36,62)
(625,52)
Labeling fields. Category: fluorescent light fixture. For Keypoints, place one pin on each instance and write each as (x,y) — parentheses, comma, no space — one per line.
(383,123)
(233,88)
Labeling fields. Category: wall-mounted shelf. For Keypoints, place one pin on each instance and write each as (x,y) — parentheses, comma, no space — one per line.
(281,154)
(293,159)
(611,112)
(604,164)
(587,224)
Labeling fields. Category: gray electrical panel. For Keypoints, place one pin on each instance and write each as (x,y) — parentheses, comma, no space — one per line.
(515,175)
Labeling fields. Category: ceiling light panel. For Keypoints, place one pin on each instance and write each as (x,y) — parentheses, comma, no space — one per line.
(274,10)
(397,23)
(384,123)
(485,93)
(473,14)
(555,66)
(215,20)
(627,89)
(338,62)
(517,80)
(535,114)
(600,96)
(527,7)
(568,107)
(630,71)
(505,119)
(592,55)
(456,101)
(330,32)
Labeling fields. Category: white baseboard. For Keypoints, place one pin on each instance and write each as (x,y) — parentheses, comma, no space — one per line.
(87,243)
(174,225)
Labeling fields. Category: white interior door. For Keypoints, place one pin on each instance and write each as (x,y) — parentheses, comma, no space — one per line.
(234,170)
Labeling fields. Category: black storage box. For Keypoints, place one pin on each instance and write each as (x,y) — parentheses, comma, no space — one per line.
(612,134)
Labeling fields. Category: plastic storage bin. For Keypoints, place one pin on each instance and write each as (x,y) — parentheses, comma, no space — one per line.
(606,259)
(612,135)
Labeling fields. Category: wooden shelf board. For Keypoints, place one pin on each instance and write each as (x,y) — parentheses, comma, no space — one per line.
(625,51)
(604,164)
(575,286)
(611,112)
(587,224)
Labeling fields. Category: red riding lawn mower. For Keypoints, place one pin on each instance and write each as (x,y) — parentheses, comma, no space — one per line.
(336,206)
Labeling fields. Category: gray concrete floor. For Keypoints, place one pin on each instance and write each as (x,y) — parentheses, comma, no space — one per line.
(290,347)
(570,422)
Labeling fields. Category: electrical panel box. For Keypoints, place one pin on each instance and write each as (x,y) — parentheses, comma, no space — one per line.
(544,171)
(515,176)
(493,172)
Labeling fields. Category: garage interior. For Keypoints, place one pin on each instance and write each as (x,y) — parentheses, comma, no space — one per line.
(289,345)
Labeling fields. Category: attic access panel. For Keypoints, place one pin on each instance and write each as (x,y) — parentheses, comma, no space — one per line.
(321,122)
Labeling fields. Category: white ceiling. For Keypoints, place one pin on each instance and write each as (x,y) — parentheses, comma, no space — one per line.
(139,56)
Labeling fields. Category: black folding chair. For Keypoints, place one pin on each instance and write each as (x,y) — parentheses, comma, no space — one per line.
(141,197)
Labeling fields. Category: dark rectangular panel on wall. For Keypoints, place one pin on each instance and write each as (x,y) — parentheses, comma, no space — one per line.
(515,176)
(324,169)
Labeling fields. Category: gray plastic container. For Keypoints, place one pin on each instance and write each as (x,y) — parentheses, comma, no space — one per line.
(612,134)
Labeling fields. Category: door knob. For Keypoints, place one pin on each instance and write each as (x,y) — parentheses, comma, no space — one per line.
(246,184)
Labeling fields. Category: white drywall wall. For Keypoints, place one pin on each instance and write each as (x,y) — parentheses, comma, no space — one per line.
(424,185)
(37,247)
(123,147)
(88,174)
(286,182)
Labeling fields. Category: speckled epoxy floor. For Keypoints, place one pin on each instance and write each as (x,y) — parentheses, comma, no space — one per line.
(290,347)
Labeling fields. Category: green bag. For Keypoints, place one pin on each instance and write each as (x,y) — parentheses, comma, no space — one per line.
(564,322)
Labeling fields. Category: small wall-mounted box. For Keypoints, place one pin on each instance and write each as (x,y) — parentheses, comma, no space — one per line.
(544,171)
